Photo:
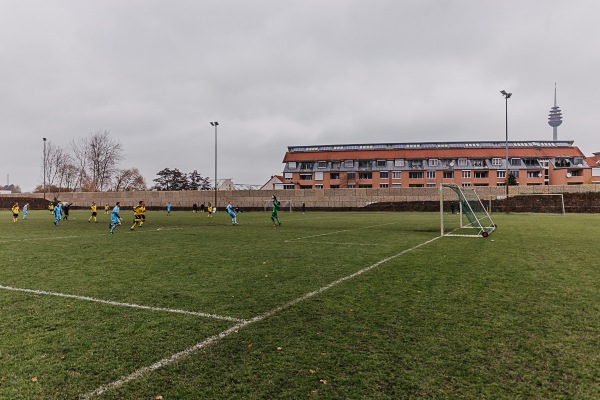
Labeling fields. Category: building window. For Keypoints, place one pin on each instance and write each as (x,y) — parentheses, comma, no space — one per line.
(534,174)
(364,164)
(334,186)
(466,174)
(515,162)
(292,165)
(383,185)
(502,183)
(383,175)
(351,176)
(288,175)
(433,162)
(396,185)
(501,174)
(496,161)
(381,163)
(365,175)
(365,186)
(351,185)
(306,177)
(448,174)
(399,162)
(430,184)
(334,176)
(477,163)
(430,174)
(318,186)
(466,184)
(416,164)
(305,187)
(322,164)
(318,176)
(335,165)
(480,174)
(306,166)
(396,175)
(349,164)
(462,162)
(415,175)
(288,186)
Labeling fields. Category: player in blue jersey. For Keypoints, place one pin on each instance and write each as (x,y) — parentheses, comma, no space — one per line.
(115,219)
(25,210)
(168,209)
(231,213)
(57,213)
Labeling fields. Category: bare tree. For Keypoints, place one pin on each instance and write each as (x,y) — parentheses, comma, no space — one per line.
(127,180)
(97,158)
(56,159)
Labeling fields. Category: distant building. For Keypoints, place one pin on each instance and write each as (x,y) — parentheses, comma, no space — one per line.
(429,164)
(276,182)
(594,163)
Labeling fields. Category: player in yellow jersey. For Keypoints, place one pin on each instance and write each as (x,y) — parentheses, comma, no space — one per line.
(139,215)
(106,208)
(209,209)
(94,213)
(15,211)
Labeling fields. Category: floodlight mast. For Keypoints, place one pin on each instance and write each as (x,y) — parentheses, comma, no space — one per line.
(44,168)
(506,97)
(215,124)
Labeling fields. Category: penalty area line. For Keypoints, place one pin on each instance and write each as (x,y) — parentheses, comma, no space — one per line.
(333,233)
(212,339)
(120,304)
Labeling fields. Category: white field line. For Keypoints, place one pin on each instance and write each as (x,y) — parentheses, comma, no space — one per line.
(198,346)
(347,243)
(87,236)
(116,303)
(333,233)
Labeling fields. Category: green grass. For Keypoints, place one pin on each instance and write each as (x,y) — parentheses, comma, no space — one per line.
(514,315)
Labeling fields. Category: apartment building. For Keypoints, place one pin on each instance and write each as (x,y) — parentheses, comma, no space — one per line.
(429,164)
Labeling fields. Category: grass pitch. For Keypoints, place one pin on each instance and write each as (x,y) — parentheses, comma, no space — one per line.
(329,305)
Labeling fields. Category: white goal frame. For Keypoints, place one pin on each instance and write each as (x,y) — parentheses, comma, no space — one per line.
(562,198)
(483,223)
(286,205)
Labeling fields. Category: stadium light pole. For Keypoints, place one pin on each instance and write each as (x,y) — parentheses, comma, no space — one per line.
(506,97)
(215,124)
(44,168)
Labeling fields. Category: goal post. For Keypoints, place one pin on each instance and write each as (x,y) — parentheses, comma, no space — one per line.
(548,201)
(471,219)
(286,205)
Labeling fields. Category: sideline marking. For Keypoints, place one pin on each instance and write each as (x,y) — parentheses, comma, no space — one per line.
(87,236)
(212,339)
(116,303)
(333,233)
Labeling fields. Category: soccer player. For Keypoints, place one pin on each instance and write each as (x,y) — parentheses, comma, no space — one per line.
(139,214)
(57,213)
(231,213)
(93,208)
(209,210)
(106,208)
(168,209)
(115,218)
(66,207)
(25,210)
(15,211)
(274,217)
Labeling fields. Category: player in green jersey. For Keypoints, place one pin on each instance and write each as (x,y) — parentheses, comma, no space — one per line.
(274,217)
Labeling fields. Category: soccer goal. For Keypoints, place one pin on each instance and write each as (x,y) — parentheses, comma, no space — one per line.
(286,205)
(553,203)
(468,217)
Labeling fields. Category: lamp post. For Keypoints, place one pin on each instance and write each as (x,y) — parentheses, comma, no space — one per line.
(44,168)
(215,124)
(506,97)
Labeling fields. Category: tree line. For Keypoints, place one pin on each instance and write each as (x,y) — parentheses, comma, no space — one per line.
(91,164)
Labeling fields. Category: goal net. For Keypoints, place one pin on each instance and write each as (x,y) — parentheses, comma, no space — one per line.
(286,205)
(467,217)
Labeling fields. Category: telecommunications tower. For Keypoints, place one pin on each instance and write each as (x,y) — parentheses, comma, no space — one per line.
(555,117)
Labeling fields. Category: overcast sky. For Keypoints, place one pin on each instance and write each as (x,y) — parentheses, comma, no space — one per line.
(277,73)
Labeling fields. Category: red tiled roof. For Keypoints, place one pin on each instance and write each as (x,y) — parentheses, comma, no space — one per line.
(521,152)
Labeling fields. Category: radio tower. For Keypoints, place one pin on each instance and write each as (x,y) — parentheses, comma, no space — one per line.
(555,117)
